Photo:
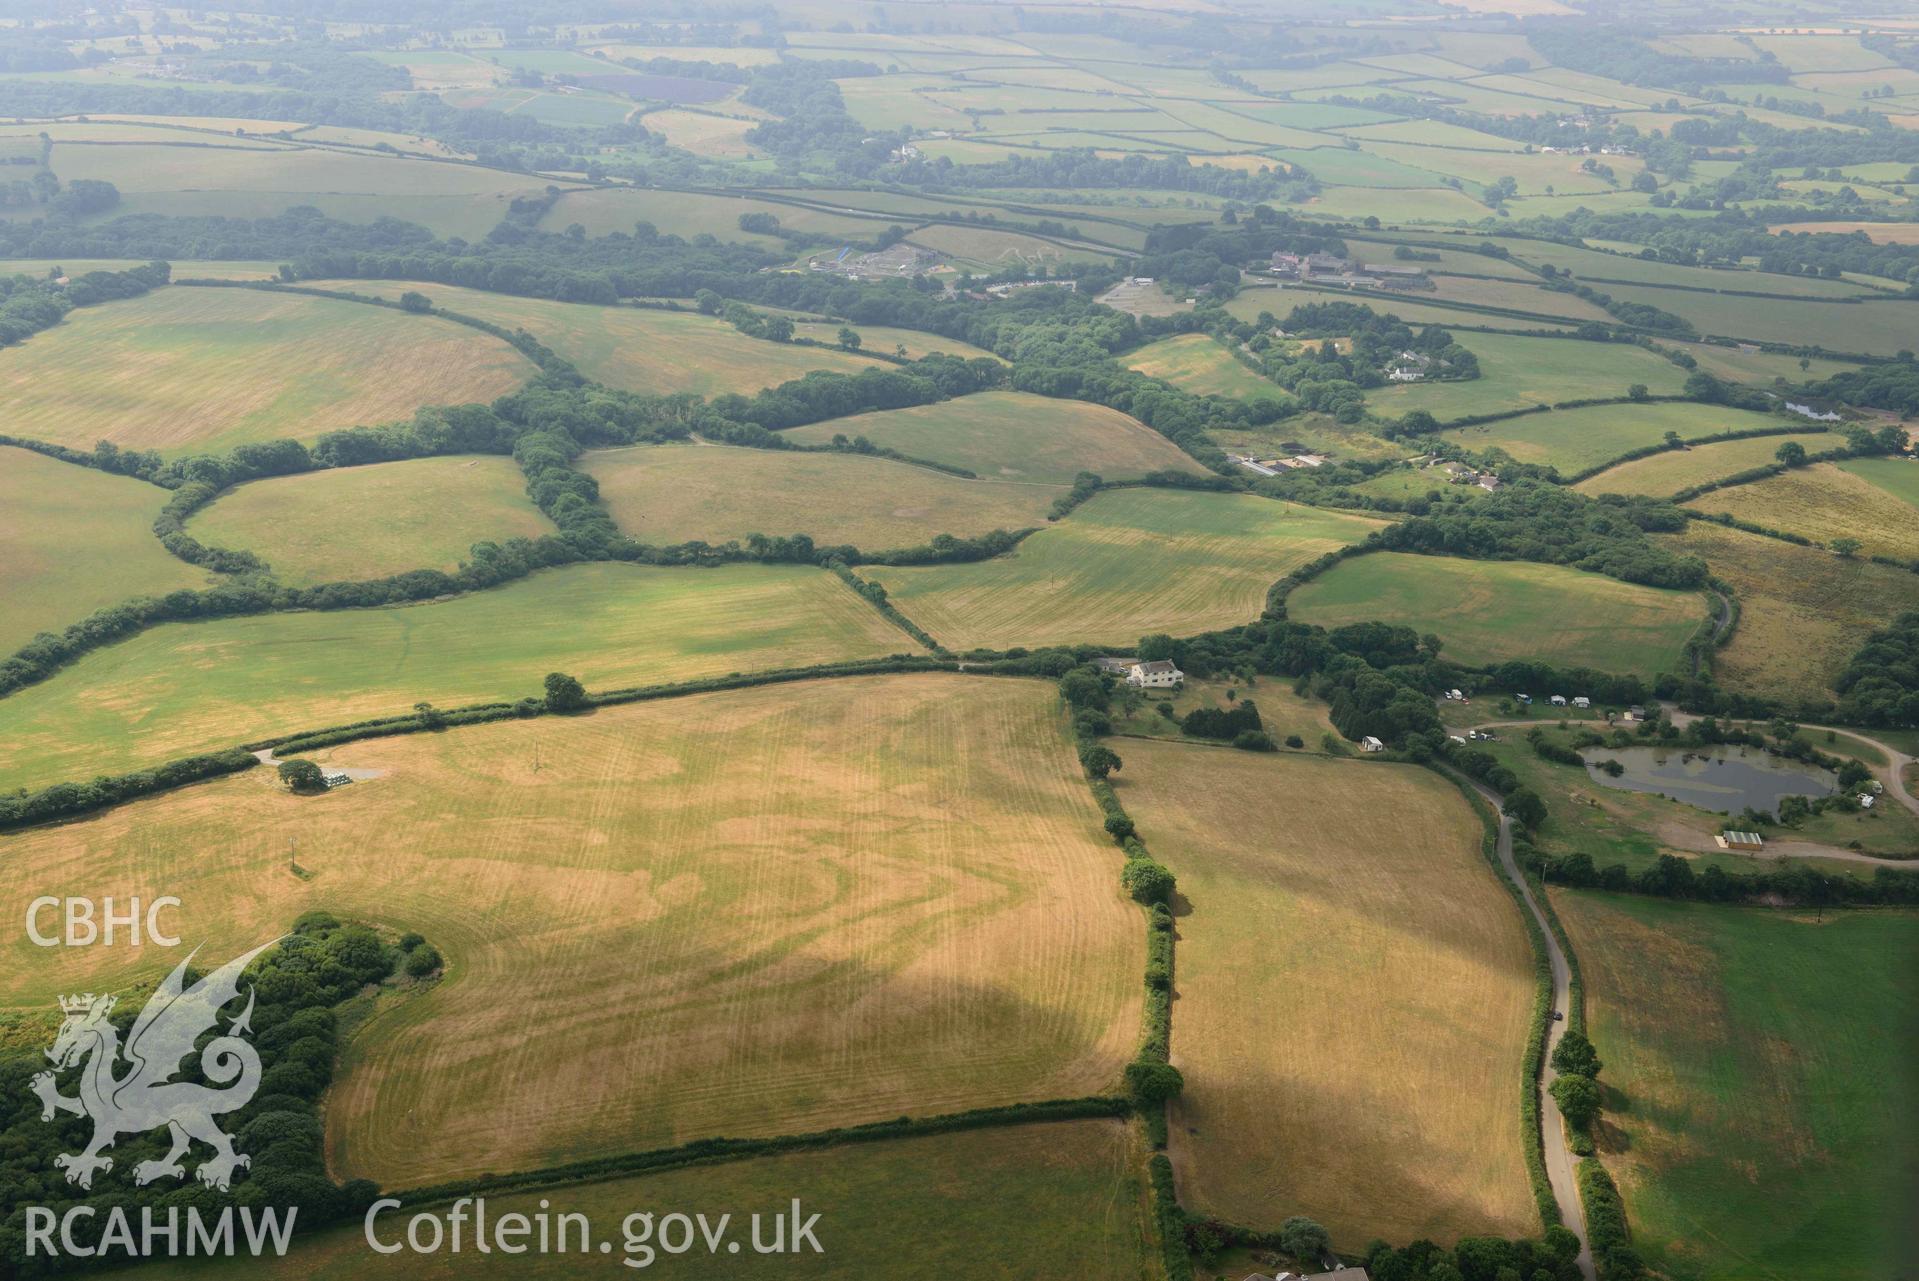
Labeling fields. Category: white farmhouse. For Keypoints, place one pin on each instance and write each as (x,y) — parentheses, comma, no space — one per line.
(1157,674)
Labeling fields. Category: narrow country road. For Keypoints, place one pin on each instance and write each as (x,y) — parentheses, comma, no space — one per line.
(1559,1158)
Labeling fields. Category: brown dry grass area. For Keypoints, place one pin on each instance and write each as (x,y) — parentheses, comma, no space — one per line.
(746,913)
(1353,996)
(1802,611)
(1824,502)
(210,368)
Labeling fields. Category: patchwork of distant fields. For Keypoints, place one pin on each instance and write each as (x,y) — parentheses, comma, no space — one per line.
(756,912)
(186,370)
(813,903)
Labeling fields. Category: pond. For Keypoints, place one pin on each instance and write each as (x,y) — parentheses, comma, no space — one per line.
(1725,779)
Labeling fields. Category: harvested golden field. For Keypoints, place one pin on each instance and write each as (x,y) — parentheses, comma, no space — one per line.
(1354,987)
(1124,564)
(703,134)
(1824,502)
(1014,435)
(1667,473)
(634,348)
(746,913)
(1803,611)
(367,522)
(73,540)
(186,370)
(666,494)
(183,688)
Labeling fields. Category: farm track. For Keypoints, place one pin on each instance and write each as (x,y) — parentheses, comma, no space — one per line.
(1559,1159)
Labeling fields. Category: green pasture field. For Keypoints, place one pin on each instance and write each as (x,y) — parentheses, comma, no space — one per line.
(1603,270)
(1517,372)
(1465,260)
(76,540)
(1759,367)
(666,494)
(1429,133)
(1896,476)
(1125,564)
(1434,204)
(186,370)
(1250,302)
(1195,363)
(1516,295)
(1803,611)
(1012,435)
(41,267)
(1669,472)
(1491,611)
(449,199)
(1576,439)
(1534,173)
(1344,908)
(183,688)
(634,348)
(1759,1092)
(1338,166)
(755,912)
(688,214)
(367,522)
(1874,328)
(1021,1201)
(1877,505)
(885,338)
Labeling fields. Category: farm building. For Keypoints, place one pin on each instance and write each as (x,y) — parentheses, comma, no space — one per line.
(1371,744)
(1158,674)
(1750,842)
(1582,701)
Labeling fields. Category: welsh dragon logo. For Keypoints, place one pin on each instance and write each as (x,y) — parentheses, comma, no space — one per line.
(143,1097)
